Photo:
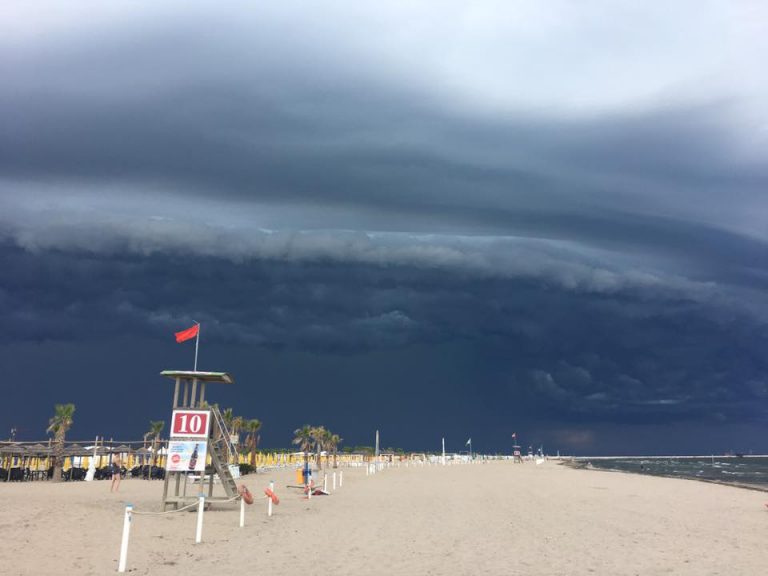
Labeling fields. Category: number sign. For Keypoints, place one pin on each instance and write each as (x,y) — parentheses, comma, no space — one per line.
(190,423)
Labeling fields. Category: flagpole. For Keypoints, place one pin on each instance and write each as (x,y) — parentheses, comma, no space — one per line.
(197,343)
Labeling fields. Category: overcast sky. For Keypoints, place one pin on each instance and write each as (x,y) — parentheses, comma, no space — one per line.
(436,218)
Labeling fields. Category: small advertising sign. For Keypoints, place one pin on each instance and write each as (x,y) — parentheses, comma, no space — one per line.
(186,456)
(190,423)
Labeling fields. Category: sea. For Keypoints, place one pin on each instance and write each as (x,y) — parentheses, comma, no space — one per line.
(743,471)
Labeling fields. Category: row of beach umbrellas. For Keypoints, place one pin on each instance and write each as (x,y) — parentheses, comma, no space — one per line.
(16,449)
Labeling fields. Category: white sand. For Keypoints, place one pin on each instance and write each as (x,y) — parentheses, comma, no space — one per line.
(496,518)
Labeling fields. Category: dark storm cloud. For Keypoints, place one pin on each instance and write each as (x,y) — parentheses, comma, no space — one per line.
(287,126)
(511,209)
(569,355)
(338,150)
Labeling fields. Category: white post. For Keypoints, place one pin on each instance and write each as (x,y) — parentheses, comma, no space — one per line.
(92,464)
(242,512)
(325,482)
(126,534)
(341,478)
(269,507)
(367,469)
(334,480)
(309,491)
(199,531)
(443,451)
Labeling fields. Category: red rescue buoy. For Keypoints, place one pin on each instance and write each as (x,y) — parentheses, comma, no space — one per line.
(245,494)
(272,496)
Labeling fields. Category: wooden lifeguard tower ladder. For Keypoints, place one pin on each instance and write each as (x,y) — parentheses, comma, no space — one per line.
(216,436)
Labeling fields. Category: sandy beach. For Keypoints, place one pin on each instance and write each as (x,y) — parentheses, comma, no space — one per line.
(494,518)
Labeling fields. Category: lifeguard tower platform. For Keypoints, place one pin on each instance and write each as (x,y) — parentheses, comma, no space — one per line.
(208,428)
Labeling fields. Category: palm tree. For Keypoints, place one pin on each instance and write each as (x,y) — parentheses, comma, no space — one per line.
(327,442)
(318,435)
(238,422)
(155,428)
(59,424)
(228,416)
(302,437)
(252,440)
(334,441)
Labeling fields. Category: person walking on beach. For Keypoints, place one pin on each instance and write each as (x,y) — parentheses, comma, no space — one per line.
(116,471)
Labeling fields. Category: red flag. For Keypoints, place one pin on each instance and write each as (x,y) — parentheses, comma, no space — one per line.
(187,334)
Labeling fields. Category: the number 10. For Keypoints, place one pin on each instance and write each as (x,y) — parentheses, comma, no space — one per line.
(195,424)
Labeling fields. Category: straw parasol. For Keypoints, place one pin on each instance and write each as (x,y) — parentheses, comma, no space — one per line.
(12,449)
(76,450)
(39,452)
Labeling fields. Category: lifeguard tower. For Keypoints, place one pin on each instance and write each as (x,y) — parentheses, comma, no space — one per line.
(517,457)
(197,431)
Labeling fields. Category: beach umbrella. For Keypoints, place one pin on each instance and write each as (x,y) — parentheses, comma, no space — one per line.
(143,454)
(37,451)
(8,451)
(123,449)
(40,452)
(75,450)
